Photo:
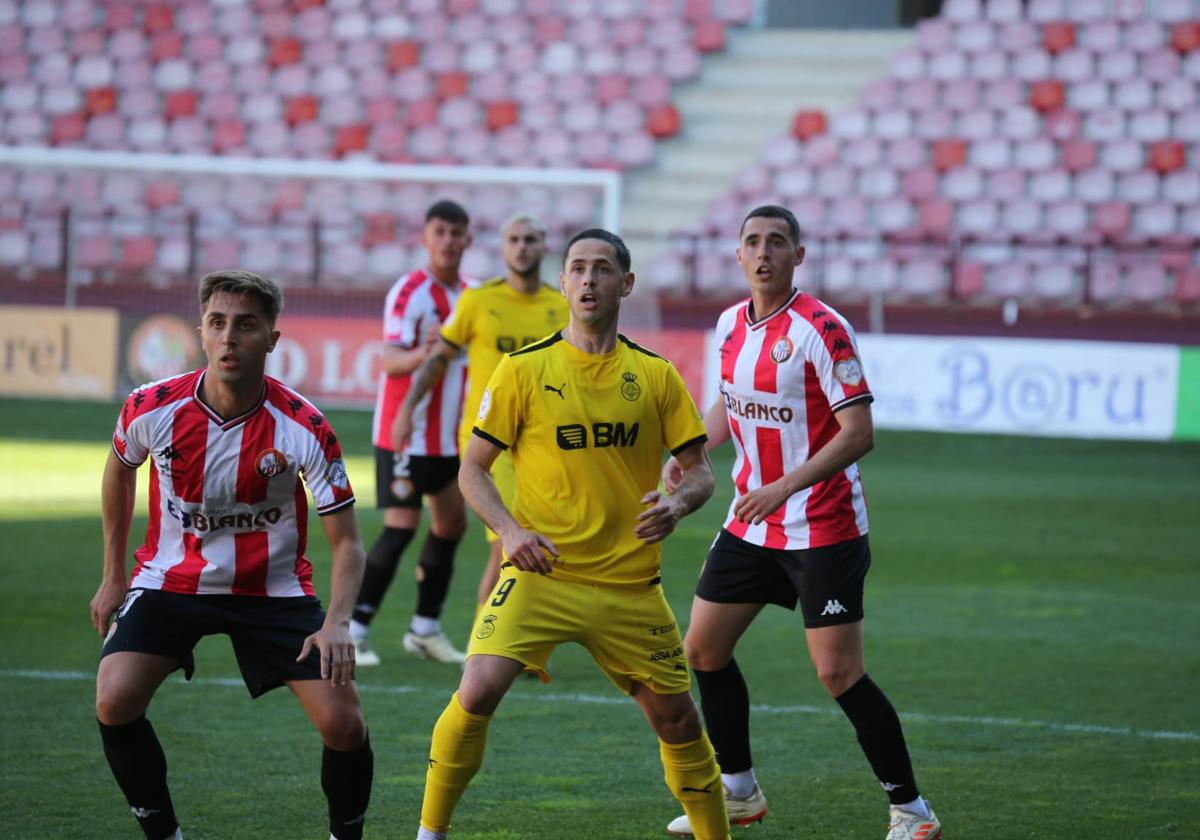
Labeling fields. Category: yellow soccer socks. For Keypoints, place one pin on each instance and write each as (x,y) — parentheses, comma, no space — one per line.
(459,741)
(694,779)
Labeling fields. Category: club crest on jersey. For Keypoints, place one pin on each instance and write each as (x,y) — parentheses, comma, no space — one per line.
(848,371)
(782,351)
(335,474)
(485,404)
(487,626)
(630,390)
(270,463)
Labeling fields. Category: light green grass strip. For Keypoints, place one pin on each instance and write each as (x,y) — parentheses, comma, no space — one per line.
(52,480)
(1187,408)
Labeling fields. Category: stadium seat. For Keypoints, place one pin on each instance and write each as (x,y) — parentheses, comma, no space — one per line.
(1167,156)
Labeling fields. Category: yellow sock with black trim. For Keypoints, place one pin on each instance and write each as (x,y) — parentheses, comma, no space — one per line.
(455,756)
(694,779)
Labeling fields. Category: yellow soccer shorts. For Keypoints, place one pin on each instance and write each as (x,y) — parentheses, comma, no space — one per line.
(629,630)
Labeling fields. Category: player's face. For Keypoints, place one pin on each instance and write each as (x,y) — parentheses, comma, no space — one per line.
(445,241)
(767,255)
(592,281)
(524,247)
(236,337)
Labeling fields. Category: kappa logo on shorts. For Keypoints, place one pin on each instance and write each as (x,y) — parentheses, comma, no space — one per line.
(487,626)
(833,607)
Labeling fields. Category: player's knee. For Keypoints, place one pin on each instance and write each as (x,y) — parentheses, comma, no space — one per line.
(342,727)
(479,698)
(703,657)
(115,704)
(450,527)
(678,724)
(837,677)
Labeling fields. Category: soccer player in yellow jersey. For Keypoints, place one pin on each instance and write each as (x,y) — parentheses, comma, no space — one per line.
(501,315)
(587,415)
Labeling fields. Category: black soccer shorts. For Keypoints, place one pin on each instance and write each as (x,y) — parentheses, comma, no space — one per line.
(267,633)
(826,581)
(401,480)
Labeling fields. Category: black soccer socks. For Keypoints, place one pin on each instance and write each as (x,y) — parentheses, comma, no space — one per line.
(725,702)
(879,733)
(137,761)
(436,568)
(346,779)
(382,560)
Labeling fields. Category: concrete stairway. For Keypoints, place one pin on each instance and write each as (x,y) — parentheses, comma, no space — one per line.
(745,96)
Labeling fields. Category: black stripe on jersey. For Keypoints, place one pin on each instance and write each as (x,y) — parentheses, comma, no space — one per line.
(478,432)
(692,442)
(335,507)
(448,341)
(636,347)
(541,345)
(852,401)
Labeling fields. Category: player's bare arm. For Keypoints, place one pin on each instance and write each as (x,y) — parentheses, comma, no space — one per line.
(694,488)
(716,428)
(427,373)
(333,639)
(117,491)
(527,550)
(401,361)
(854,439)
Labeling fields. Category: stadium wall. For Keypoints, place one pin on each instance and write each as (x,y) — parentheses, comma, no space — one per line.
(1051,388)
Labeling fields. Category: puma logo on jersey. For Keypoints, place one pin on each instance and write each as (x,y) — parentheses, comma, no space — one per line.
(559,390)
(833,607)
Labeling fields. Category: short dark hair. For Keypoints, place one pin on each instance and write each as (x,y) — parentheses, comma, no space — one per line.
(618,244)
(237,281)
(774,211)
(448,211)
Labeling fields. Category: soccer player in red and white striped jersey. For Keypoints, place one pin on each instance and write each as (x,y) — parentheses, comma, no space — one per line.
(230,452)
(425,465)
(796,404)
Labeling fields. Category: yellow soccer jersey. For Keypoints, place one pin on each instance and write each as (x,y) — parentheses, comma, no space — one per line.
(495,319)
(587,434)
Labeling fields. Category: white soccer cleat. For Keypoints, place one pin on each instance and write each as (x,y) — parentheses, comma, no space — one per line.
(435,646)
(905,825)
(364,655)
(742,810)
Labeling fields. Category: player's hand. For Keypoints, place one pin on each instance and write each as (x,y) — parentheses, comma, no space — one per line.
(430,335)
(672,474)
(529,551)
(758,504)
(108,597)
(337,653)
(658,521)
(402,429)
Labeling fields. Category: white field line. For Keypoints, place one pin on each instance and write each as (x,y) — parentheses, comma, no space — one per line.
(762,709)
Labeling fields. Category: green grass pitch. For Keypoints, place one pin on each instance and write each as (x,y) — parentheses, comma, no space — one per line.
(1032,612)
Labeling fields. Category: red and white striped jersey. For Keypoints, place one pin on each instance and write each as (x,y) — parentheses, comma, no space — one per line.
(412,304)
(228,513)
(782,379)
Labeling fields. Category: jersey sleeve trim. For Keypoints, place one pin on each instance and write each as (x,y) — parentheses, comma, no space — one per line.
(335,507)
(123,459)
(632,346)
(689,444)
(478,432)
(857,398)
(453,344)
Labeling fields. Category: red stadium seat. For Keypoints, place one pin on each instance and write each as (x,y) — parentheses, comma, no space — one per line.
(180,103)
(1187,285)
(949,153)
(808,124)
(502,114)
(283,51)
(1046,95)
(301,109)
(936,217)
(228,135)
(663,121)
(100,100)
(968,279)
(67,128)
(1058,37)
(349,139)
(708,36)
(1167,156)
(1185,36)
(1078,155)
(402,54)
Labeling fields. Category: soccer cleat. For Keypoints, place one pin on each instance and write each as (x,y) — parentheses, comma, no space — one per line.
(434,646)
(905,825)
(742,810)
(364,655)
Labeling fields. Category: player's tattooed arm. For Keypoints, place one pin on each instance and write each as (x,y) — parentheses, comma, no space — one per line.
(427,373)
(694,487)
